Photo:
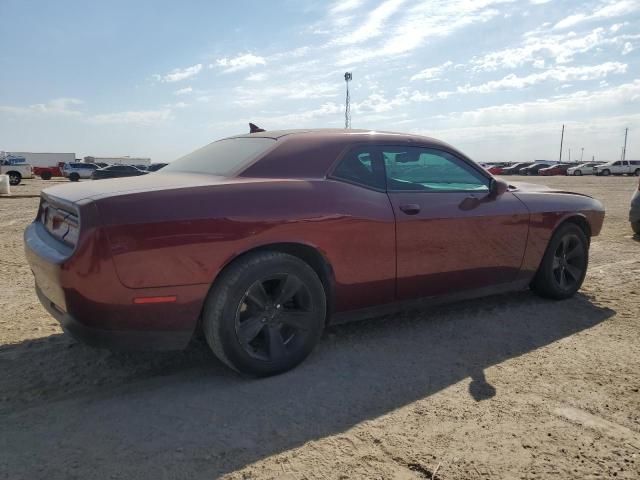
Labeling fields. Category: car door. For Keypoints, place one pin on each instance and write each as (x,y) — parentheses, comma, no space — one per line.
(451,234)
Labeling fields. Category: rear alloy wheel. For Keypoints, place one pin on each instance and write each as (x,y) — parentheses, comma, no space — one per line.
(14,178)
(265,314)
(578,173)
(564,264)
(74,177)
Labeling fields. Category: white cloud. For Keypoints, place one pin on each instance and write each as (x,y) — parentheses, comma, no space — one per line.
(184,91)
(240,62)
(57,106)
(431,73)
(374,23)
(341,6)
(177,74)
(610,10)
(628,48)
(554,107)
(256,77)
(286,91)
(558,74)
(422,22)
(540,45)
(146,117)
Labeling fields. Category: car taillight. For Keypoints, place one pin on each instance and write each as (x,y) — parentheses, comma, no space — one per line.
(61,224)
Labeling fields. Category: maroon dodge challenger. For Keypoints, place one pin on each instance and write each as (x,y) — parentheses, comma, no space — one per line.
(260,240)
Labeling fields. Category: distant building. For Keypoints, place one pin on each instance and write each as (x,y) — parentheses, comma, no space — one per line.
(119,160)
(39,159)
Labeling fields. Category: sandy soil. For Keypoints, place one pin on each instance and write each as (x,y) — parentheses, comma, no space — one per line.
(504,387)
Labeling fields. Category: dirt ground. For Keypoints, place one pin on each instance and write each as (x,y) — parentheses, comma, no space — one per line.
(504,387)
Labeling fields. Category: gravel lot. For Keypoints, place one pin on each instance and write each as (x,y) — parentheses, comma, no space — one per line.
(505,387)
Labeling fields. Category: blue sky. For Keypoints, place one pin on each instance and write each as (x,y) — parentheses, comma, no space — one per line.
(496,78)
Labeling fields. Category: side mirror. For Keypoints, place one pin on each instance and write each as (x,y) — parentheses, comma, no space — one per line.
(497,187)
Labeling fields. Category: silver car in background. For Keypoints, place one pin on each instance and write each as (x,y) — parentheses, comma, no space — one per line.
(583,169)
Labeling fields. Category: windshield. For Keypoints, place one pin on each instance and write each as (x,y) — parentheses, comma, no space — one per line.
(224,158)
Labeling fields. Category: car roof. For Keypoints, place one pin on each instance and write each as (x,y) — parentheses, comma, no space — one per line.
(310,153)
(339,133)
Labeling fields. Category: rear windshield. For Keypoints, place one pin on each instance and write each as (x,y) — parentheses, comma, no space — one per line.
(224,158)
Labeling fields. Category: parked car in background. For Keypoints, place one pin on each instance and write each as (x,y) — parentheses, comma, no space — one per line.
(261,251)
(513,169)
(46,173)
(619,167)
(498,168)
(634,211)
(557,169)
(16,171)
(582,169)
(154,167)
(76,171)
(117,171)
(534,169)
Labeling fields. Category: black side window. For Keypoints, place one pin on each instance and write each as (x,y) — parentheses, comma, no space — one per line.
(363,166)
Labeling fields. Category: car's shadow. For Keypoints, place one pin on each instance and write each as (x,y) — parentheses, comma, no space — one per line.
(184,415)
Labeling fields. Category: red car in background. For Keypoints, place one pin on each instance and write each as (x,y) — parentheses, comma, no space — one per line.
(261,240)
(46,173)
(559,169)
(498,168)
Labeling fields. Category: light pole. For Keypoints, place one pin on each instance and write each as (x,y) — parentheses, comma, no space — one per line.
(581,154)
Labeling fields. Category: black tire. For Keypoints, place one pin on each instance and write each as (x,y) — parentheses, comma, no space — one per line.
(564,264)
(637,172)
(46,175)
(606,173)
(578,173)
(246,301)
(635,226)
(74,177)
(14,178)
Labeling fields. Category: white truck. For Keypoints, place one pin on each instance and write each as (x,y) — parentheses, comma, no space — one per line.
(15,170)
(619,167)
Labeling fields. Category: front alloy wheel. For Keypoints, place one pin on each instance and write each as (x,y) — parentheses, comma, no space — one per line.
(564,264)
(569,262)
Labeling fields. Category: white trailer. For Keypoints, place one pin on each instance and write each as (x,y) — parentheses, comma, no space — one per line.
(38,159)
(119,160)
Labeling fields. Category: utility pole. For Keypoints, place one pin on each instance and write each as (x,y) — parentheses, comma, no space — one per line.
(347,103)
(624,150)
(581,153)
(561,140)
(569,154)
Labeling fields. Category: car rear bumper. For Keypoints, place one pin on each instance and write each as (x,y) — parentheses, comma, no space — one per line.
(92,305)
(115,339)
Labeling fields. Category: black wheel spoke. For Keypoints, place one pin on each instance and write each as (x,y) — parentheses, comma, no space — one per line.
(576,252)
(250,328)
(257,296)
(563,278)
(563,245)
(574,272)
(287,289)
(296,319)
(277,348)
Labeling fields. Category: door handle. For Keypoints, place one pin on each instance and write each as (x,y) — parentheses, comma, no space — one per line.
(410,208)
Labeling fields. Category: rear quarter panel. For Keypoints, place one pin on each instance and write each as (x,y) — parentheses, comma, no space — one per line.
(186,236)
